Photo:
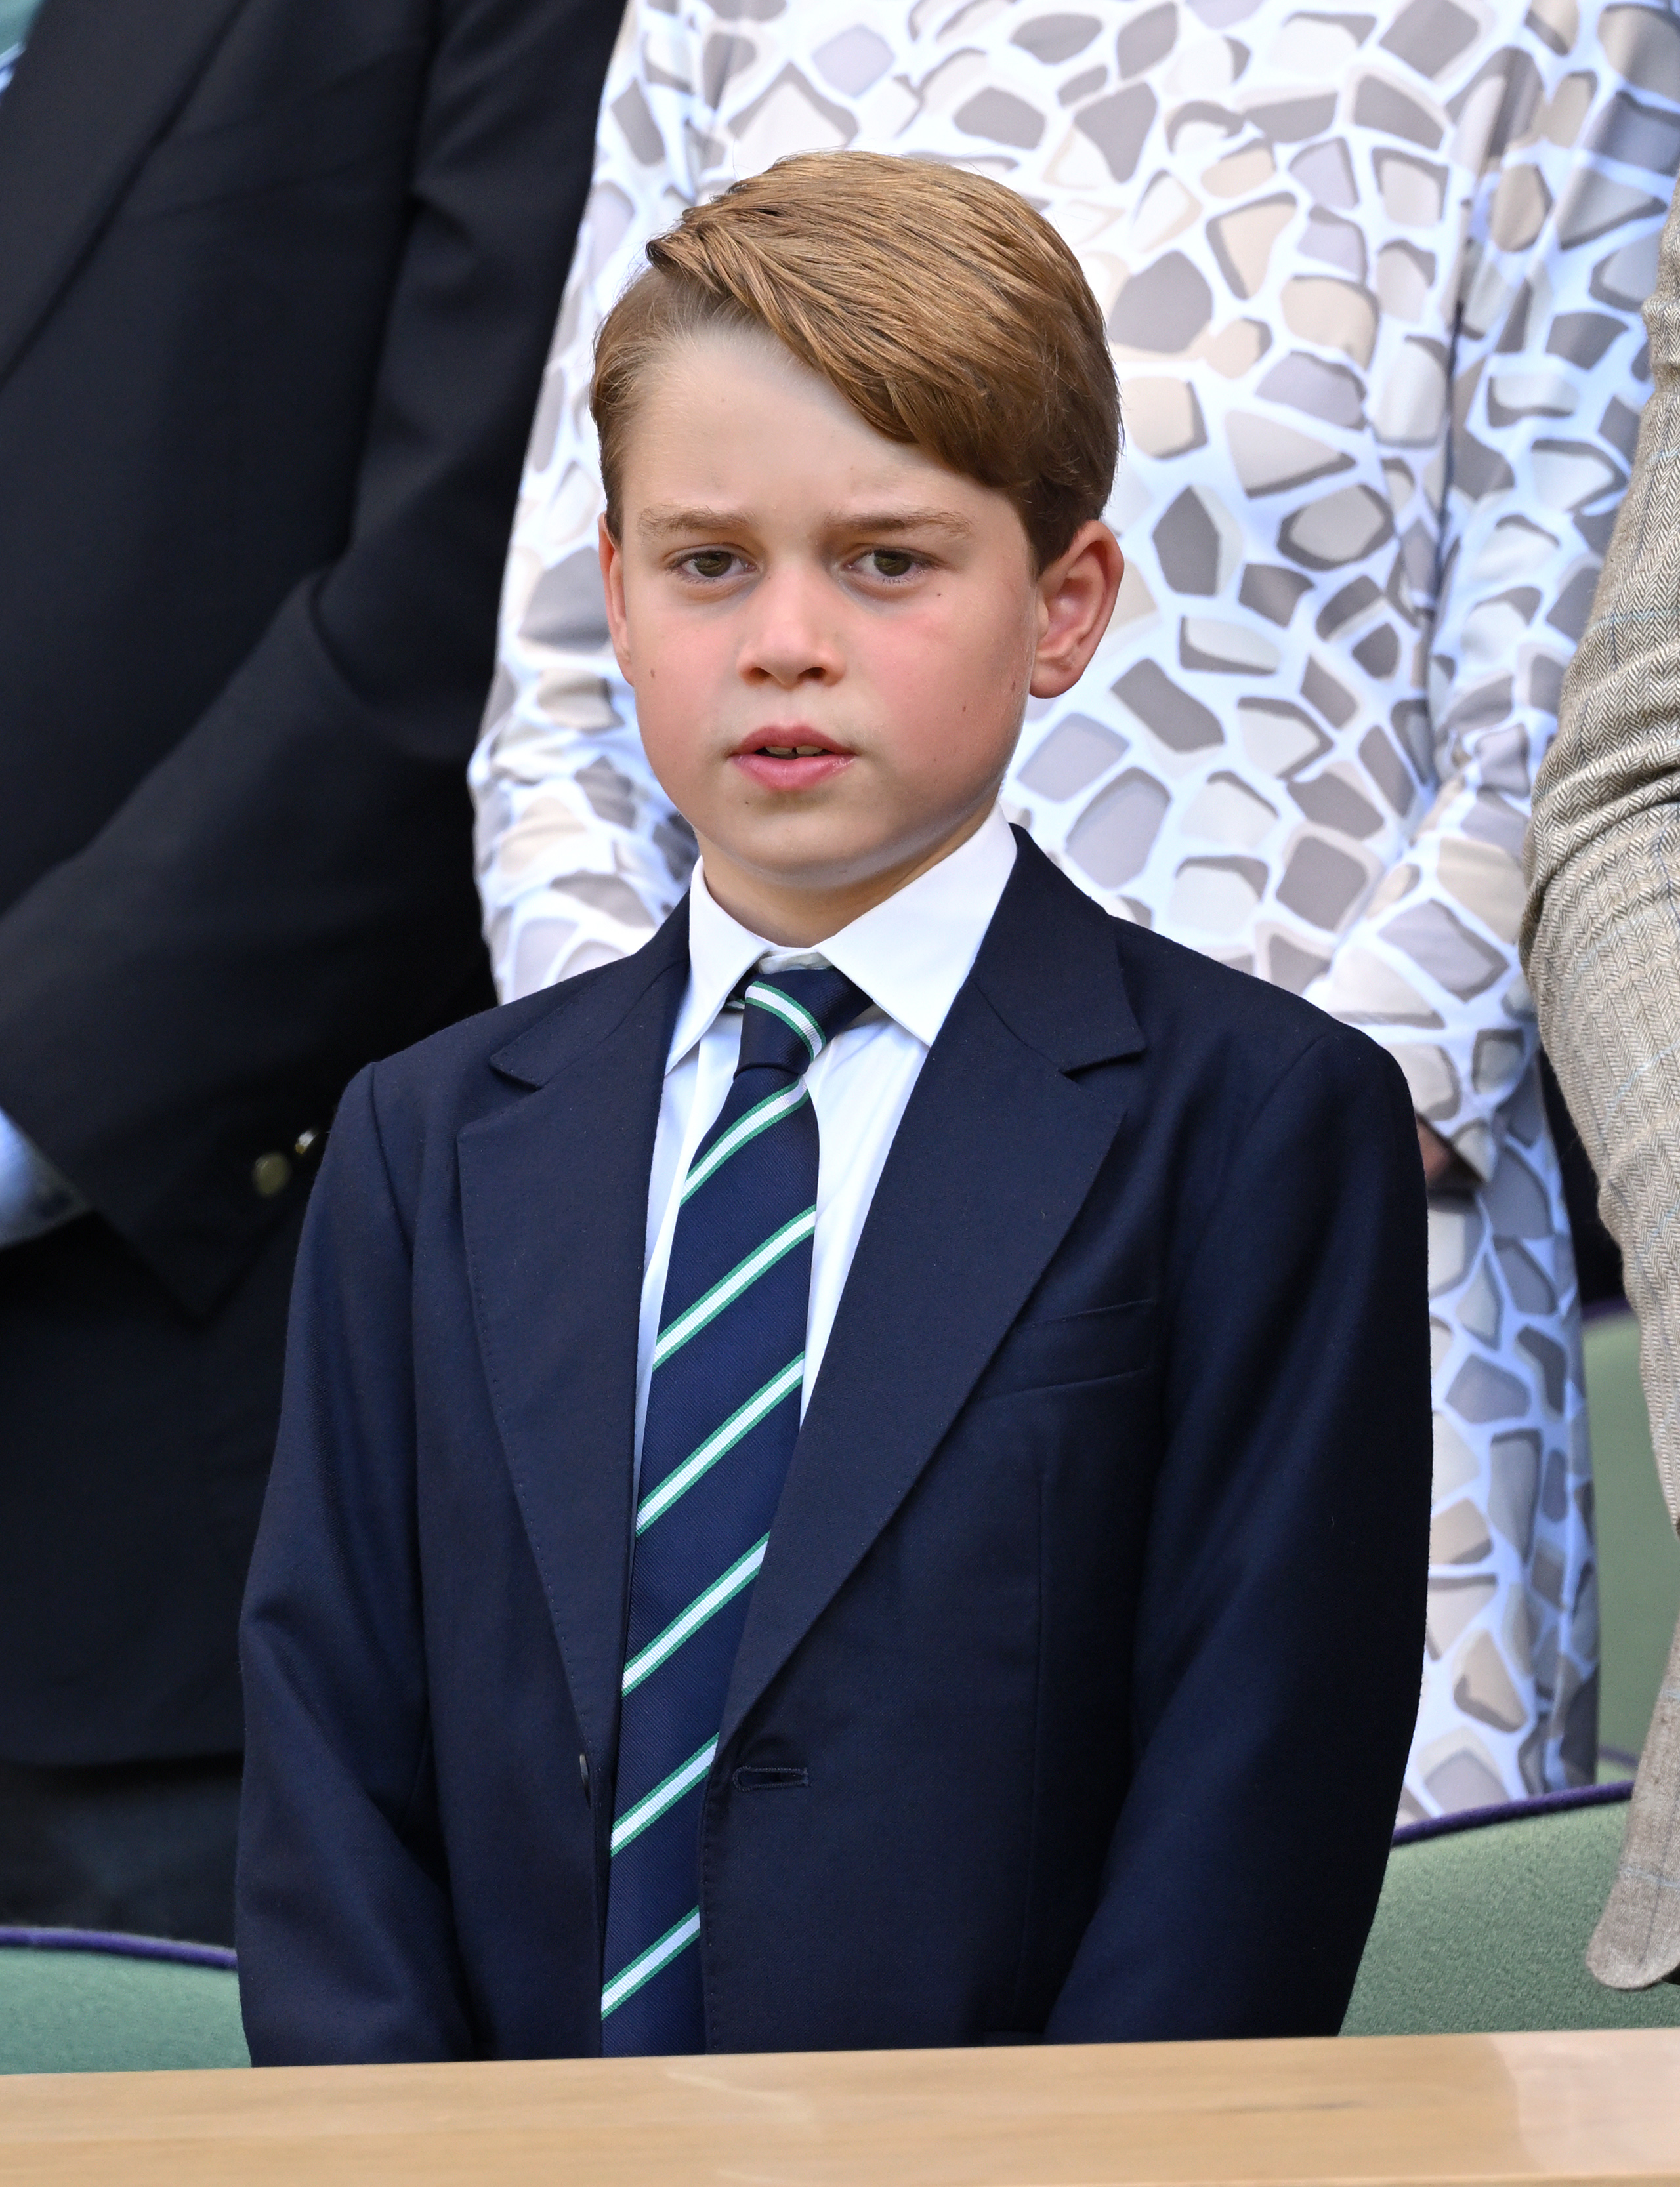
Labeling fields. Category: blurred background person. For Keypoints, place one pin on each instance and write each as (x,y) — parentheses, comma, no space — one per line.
(1372,285)
(1602,940)
(277,278)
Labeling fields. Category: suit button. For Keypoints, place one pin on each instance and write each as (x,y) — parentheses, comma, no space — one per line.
(269,1174)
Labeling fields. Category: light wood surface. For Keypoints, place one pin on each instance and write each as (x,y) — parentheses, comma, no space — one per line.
(1582,2107)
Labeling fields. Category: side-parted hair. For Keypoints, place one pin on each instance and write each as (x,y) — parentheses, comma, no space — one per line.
(946,311)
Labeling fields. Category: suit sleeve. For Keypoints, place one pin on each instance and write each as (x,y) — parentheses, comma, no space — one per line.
(345,1938)
(1281,1629)
(1601,931)
(290,892)
(1600,942)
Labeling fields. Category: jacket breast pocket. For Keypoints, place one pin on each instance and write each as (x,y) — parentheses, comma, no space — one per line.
(1094,1347)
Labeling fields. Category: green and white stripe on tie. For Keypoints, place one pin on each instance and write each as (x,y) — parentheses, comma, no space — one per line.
(742,1573)
(790,1012)
(768,1112)
(631,1979)
(715,1446)
(676,1334)
(649,1810)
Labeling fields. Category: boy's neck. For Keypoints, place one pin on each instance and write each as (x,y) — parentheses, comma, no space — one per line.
(798,916)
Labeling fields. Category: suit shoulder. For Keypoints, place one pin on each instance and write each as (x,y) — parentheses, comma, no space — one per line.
(1202,1007)
(460,1051)
(478,1064)
(1048,963)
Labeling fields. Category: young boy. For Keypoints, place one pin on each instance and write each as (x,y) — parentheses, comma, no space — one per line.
(861,1477)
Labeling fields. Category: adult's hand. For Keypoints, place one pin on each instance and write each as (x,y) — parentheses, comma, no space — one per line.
(1442,1164)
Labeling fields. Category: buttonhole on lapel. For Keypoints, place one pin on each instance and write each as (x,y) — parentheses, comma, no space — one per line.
(583,1772)
(769,1780)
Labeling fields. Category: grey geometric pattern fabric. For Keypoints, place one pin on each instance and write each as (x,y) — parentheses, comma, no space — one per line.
(1372,281)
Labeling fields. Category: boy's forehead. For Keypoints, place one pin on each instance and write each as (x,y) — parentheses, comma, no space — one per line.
(731,424)
(725,390)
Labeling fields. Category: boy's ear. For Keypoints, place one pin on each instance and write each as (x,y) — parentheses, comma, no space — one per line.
(1077,593)
(612,584)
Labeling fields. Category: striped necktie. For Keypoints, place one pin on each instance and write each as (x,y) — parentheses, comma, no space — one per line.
(723,1412)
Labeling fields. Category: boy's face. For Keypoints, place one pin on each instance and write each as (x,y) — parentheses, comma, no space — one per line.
(831,637)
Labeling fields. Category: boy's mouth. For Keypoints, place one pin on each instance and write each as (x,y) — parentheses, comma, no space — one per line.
(794,758)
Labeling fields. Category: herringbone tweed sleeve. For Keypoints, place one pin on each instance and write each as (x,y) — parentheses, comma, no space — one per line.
(1601,943)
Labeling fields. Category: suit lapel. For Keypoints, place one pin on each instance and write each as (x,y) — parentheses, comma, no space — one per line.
(553,1202)
(98,83)
(997,1152)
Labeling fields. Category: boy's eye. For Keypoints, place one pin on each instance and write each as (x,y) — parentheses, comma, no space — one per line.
(709,562)
(890,562)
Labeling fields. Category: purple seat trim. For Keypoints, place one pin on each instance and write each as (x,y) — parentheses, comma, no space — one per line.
(117,1945)
(1511,1810)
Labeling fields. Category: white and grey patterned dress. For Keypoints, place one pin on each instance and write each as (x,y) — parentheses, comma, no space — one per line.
(1373,283)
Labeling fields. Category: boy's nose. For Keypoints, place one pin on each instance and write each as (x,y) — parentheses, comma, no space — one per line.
(792,639)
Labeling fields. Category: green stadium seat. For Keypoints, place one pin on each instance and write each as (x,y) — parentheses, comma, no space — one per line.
(80,2001)
(1484,1920)
(1638,1556)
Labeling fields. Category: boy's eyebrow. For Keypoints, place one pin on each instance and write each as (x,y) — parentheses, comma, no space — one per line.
(908,519)
(657,523)
(660,523)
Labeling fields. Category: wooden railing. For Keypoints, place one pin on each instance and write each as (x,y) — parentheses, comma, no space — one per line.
(1482,2108)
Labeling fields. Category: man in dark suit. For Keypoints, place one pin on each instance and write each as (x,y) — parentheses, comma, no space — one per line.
(277,278)
(899,1516)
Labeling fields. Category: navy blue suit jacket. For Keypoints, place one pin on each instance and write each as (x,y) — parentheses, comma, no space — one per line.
(1076,1690)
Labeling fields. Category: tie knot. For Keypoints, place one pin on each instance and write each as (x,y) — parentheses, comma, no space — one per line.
(792,1016)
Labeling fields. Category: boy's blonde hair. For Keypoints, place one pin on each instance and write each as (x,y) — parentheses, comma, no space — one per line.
(939,305)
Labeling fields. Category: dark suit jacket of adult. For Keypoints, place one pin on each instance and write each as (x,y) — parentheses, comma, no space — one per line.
(277,279)
(1076,1690)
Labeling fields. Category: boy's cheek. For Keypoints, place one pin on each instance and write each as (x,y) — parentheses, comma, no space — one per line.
(669,753)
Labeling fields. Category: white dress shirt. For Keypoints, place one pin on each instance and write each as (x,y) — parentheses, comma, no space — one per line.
(909,955)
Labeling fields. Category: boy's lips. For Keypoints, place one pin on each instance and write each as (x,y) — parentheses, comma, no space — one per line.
(794,758)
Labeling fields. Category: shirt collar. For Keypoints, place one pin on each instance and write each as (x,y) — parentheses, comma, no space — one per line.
(910,954)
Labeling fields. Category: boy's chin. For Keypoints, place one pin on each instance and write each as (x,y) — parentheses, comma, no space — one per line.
(811,854)
(815,869)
